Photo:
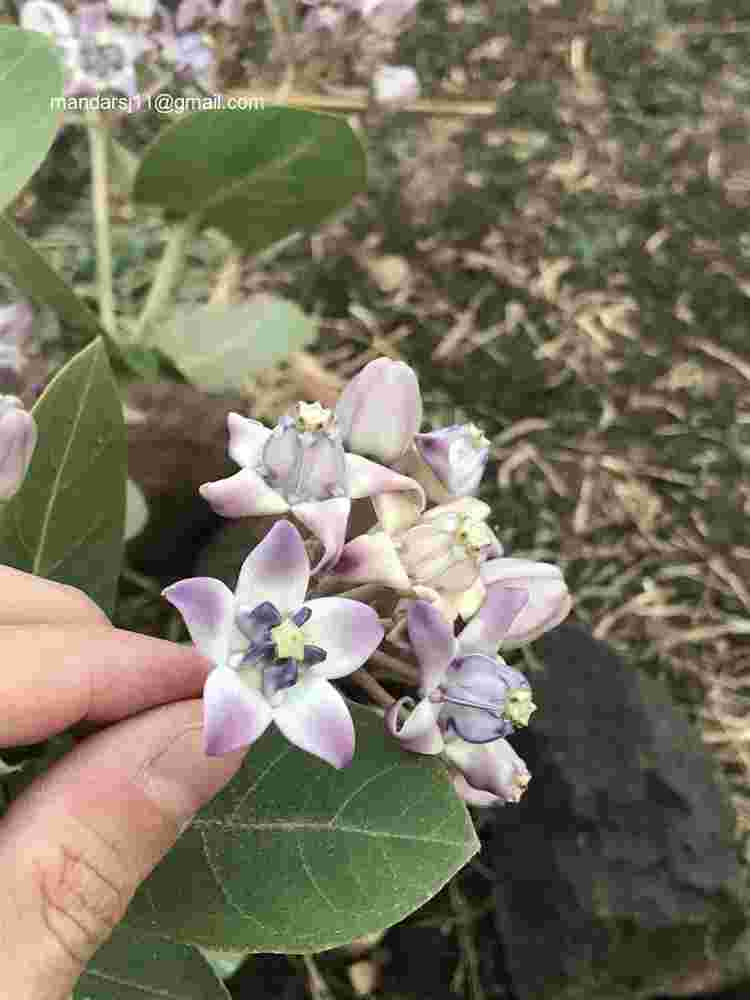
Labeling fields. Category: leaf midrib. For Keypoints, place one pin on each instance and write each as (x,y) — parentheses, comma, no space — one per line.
(36,567)
(295,826)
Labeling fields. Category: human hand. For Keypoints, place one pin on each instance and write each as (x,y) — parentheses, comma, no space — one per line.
(77,843)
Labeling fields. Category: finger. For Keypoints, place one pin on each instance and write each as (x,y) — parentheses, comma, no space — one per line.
(54,677)
(76,844)
(29,600)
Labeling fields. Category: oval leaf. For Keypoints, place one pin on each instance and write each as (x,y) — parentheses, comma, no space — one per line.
(256,175)
(66,523)
(294,856)
(136,966)
(31,76)
(218,347)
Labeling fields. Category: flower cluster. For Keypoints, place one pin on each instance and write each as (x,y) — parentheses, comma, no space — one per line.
(428,570)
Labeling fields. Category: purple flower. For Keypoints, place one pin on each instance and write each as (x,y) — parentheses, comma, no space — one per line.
(18,436)
(274,653)
(300,466)
(470,699)
(380,410)
(450,462)
(16,322)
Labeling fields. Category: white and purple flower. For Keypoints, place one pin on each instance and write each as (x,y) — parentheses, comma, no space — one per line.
(449,462)
(470,699)
(300,467)
(275,653)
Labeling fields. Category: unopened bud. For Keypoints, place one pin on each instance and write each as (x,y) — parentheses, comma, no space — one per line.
(18,434)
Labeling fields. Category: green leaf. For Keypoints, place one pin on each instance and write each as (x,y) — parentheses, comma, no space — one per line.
(136,966)
(39,280)
(66,522)
(30,77)
(255,175)
(218,346)
(294,856)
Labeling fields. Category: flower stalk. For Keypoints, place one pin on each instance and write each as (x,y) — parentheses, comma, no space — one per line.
(99,145)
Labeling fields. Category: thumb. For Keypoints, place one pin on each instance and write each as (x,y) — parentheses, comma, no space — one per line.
(75,846)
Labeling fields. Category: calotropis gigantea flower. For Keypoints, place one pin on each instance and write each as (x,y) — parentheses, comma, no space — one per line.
(18,435)
(96,55)
(441,550)
(16,322)
(549,601)
(470,698)
(448,462)
(380,410)
(300,466)
(274,653)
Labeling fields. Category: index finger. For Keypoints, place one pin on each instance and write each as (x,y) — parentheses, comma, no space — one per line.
(56,676)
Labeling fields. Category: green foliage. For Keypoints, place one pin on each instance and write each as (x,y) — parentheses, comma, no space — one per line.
(30,77)
(294,856)
(218,347)
(136,966)
(39,280)
(255,175)
(66,521)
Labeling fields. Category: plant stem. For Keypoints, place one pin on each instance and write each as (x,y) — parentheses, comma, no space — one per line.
(356,102)
(395,666)
(168,274)
(99,145)
(378,694)
(319,989)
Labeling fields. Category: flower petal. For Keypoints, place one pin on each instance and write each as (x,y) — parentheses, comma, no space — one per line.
(397,512)
(315,718)
(487,629)
(327,520)
(420,732)
(277,570)
(243,495)
(371,559)
(477,510)
(207,608)
(472,796)
(549,601)
(433,642)
(490,767)
(246,440)
(348,631)
(368,479)
(234,714)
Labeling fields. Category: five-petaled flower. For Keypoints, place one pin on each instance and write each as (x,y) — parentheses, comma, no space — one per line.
(275,653)
(300,467)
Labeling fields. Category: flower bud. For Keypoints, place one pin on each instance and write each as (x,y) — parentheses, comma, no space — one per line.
(488,769)
(549,601)
(380,410)
(18,435)
(395,85)
(453,460)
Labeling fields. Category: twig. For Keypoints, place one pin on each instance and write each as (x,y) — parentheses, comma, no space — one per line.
(353,104)
(99,143)
(319,989)
(378,694)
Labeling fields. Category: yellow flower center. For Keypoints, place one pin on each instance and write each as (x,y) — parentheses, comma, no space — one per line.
(312,417)
(473,534)
(519,706)
(477,436)
(289,640)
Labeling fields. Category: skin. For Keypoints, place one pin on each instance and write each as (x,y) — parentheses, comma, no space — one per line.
(77,843)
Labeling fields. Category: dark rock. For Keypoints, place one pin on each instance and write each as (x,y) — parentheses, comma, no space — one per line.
(617,874)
